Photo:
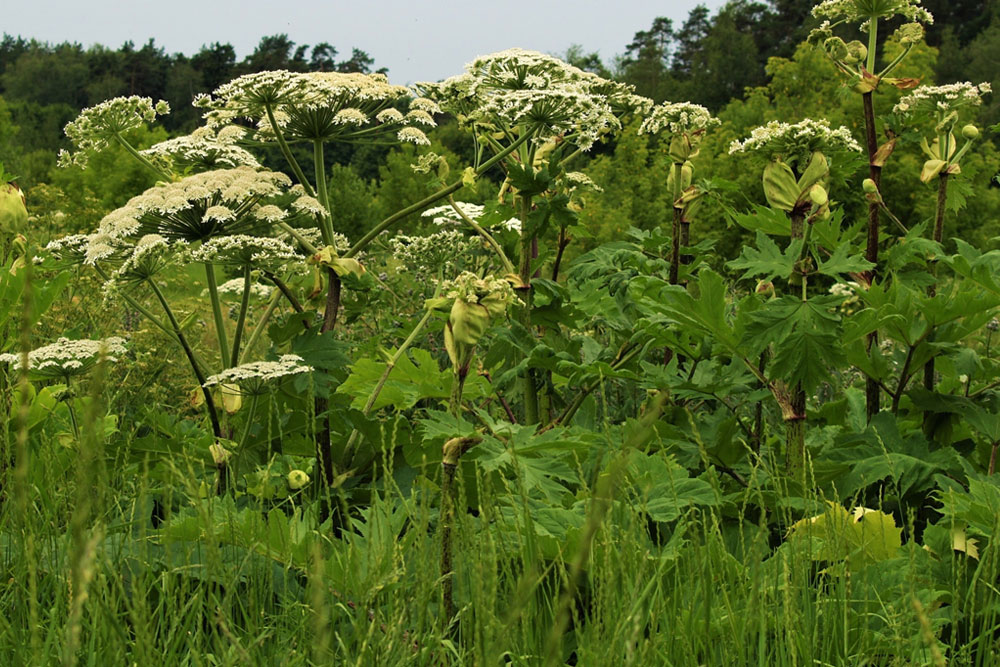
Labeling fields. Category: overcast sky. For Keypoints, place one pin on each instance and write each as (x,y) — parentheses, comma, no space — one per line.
(416,39)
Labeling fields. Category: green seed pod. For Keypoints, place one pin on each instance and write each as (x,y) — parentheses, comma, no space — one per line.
(970,132)
(13,212)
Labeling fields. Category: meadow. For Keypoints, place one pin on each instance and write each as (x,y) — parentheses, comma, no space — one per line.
(581,378)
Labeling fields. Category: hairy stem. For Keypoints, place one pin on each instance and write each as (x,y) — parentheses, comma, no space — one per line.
(529,393)
(942,200)
(675,236)
(872,394)
(164,175)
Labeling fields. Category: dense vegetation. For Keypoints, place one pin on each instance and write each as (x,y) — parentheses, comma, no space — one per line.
(534,365)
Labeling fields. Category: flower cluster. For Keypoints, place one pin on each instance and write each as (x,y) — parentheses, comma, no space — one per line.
(196,208)
(96,127)
(795,142)
(245,250)
(943,99)
(447,251)
(318,106)
(234,287)
(150,255)
(520,87)
(252,378)
(471,289)
(866,10)
(447,215)
(66,358)
(679,118)
(203,150)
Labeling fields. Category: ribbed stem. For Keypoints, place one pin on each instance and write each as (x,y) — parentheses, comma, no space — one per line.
(242,318)
(220,323)
(872,392)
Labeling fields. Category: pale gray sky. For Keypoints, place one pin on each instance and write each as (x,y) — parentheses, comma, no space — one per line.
(416,39)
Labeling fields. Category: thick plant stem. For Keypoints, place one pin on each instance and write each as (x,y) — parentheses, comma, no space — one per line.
(529,393)
(942,200)
(758,415)
(332,301)
(675,237)
(209,402)
(319,162)
(242,318)
(795,423)
(220,323)
(451,455)
(872,394)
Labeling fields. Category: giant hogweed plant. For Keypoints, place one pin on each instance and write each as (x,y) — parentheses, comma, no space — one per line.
(582,333)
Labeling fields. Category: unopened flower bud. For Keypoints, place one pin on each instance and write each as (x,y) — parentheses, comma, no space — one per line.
(857,51)
(219,453)
(910,33)
(869,186)
(970,132)
(818,196)
(836,47)
(297,479)
(765,288)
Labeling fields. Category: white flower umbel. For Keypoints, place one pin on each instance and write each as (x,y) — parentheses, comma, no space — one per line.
(150,255)
(447,215)
(253,378)
(97,127)
(315,106)
(66,358)
(70,250)
(578,179)
(942,99)
(678,118)
(446,251)
(794,143)
(837,11)
(242,250)
(516,86)
(197,208)
(203,150)
(234,287)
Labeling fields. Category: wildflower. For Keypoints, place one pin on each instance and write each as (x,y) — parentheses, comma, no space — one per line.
(98,126)
(313,106)
(866,10)
(795,143)
(516,86)
(66,358)
(235,287)
(203,150)
(447,251)
(245,250)
(196,208)
(253,377)
(942,99)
